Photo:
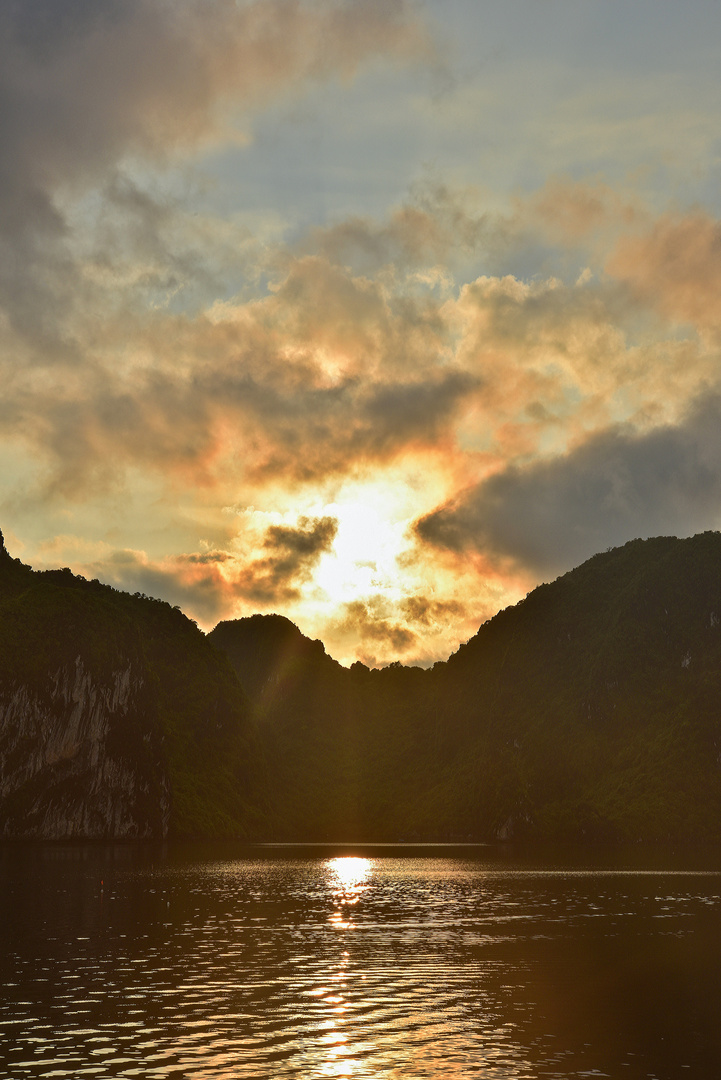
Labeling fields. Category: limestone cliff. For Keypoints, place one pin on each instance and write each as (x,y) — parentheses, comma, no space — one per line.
(78,758)
(118,720)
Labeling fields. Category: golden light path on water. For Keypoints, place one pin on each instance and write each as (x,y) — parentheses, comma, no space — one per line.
(348,878)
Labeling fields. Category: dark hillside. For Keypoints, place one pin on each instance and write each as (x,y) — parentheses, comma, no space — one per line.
(595,702)
(592,710)
(315,737)
(117,717)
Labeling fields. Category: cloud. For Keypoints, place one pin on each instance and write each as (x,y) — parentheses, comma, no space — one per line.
(212,583)
(674,266)
(572,212)
(195,585)
(325,374)
(370,624)
(332,372)
(88,87)
(435,225)
(550,515)
(88,81)
(430,613)
(290,556)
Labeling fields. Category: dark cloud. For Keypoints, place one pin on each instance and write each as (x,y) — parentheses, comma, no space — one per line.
(291,554)
(618,485)
(402,412)
(204,558)
(308,540)
(203,591)
(316,431)
(430,613)
(371,623)
(210,583)
(85,81)
(41,28)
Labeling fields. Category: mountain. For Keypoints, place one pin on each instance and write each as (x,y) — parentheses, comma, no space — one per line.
(590,710)
(313,735)
(595,702)
(118,719)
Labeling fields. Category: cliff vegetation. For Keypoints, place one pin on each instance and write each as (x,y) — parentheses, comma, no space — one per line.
(117,716)
(589,711)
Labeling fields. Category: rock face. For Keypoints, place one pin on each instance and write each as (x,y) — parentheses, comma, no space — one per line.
(118,719)
(67,767)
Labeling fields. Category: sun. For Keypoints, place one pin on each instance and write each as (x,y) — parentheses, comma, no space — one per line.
(374,531)
(364,559)
(367,592)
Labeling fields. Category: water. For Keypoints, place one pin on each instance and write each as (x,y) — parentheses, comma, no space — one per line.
(300,962)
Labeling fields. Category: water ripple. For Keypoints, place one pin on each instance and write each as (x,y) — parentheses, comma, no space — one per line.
(360,968)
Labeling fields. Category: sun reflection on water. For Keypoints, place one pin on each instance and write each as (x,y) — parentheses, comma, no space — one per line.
(351,871)
(348,878)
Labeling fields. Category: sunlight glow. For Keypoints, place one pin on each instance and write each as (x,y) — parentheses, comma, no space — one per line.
(364,559)
(351,871)
(351,874)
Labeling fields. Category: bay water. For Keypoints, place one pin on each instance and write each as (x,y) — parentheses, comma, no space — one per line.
(223,962)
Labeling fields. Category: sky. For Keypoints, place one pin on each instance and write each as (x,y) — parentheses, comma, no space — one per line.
(372,313)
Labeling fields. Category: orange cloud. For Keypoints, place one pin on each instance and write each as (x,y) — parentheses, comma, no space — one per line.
(675,267)
(326,373)
(210,584)
(572,212)
(373,630)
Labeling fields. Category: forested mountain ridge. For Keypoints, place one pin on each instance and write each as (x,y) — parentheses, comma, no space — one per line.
(601,695)
(590,710)
(117,717)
